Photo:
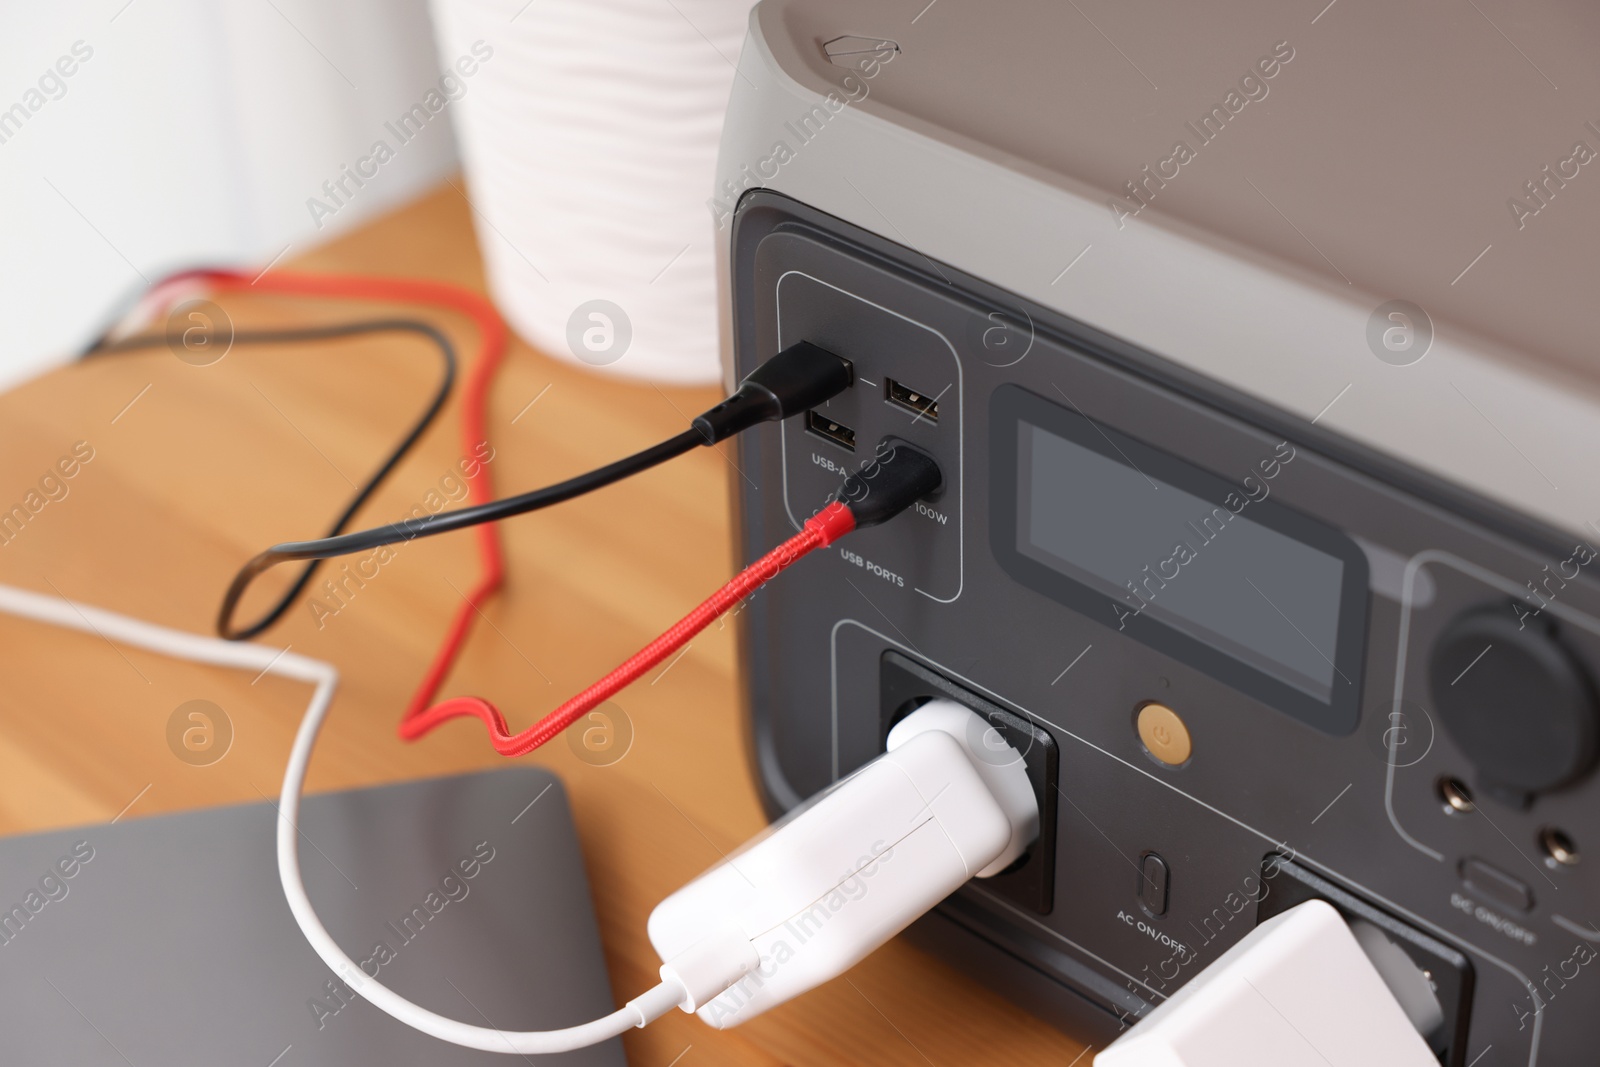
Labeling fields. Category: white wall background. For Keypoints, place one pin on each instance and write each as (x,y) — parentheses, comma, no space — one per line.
(194,133)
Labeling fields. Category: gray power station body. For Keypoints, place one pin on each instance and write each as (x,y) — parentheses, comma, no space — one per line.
(1256,345)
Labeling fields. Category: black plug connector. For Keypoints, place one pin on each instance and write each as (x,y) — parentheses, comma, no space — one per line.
(895,478)
(800,377)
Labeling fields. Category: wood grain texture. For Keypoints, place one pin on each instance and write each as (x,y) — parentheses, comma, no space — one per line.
(197,468)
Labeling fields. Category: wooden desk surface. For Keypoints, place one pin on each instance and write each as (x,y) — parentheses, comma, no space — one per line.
(197,468)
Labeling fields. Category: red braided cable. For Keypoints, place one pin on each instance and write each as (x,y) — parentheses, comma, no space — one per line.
(819,531)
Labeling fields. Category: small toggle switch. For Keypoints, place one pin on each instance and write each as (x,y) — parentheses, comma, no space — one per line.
(1154,877)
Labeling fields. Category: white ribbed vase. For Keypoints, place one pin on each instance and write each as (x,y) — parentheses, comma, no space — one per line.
(589,140)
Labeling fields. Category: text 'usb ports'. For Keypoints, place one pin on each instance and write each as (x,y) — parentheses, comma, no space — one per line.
(829,430)
(920,404)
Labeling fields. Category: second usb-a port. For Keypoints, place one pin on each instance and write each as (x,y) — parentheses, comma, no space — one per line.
(920,404)
(829,430)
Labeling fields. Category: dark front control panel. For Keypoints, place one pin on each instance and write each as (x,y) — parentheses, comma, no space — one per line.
(1381,684)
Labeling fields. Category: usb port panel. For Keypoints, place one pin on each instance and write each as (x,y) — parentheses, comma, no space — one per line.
(830,430)
(920,404)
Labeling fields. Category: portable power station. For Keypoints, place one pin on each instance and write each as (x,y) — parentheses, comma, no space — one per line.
(1254,343)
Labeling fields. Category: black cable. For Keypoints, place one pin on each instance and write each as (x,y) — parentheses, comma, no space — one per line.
(320,333)
(801,376)
(443,522)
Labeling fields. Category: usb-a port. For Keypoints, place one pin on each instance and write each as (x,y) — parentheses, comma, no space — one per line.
(829,430)
(917,403)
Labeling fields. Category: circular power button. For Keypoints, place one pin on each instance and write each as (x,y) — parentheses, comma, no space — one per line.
(1164,734)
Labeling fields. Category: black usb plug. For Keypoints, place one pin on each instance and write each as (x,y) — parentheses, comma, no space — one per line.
(800,377)
(896,477)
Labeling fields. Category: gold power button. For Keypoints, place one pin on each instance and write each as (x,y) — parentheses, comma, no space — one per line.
(1164,734)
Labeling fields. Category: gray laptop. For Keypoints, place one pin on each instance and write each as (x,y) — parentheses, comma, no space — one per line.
(166,942)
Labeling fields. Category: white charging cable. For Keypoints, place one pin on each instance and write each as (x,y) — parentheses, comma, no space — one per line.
(325,677)
(949,802)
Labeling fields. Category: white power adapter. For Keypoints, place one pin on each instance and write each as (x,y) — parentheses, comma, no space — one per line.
(948,802)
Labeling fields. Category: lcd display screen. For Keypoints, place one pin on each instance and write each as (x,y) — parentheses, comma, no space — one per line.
(1198,561)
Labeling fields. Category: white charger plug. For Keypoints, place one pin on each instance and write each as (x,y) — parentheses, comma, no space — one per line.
(950,801)
(1301,990)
